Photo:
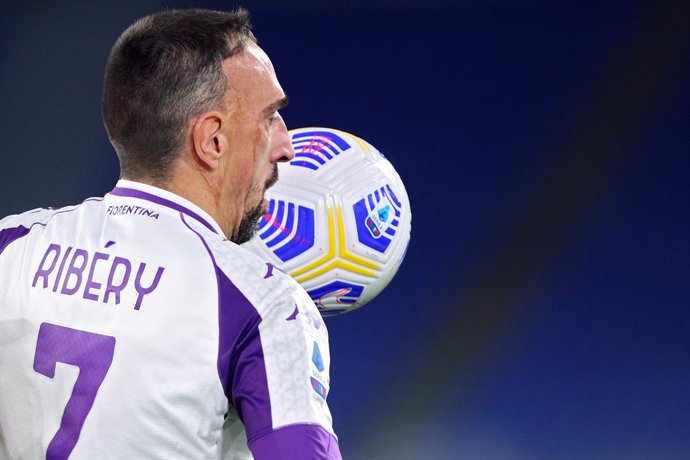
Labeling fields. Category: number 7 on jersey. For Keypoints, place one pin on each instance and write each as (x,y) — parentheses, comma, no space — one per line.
(92,354)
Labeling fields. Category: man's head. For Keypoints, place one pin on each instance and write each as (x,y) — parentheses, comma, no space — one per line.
(191,104)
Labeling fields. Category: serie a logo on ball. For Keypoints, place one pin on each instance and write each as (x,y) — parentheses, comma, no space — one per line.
(338,221)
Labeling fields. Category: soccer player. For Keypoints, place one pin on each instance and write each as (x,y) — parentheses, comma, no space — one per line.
(134,326)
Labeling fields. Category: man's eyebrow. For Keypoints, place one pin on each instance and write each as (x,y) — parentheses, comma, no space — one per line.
(277,105)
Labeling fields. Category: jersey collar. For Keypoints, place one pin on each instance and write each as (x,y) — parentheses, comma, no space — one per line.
(128,188)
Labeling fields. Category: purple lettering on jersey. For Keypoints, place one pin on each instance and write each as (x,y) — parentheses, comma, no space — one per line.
(90,283)
(43,272)
(62,266)
(92,354)
(130,209)
(129,192)
(117,288)
(141,290)
(75,270)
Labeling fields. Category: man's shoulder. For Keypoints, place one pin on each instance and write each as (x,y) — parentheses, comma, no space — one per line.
(260,282)
(237,262)
(18,226)
(26,219)
(40,216)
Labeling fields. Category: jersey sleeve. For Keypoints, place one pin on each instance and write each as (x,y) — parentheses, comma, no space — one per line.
(275,347)
(295,442)
(18,226)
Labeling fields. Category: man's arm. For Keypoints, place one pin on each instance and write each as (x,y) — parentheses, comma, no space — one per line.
(278,378)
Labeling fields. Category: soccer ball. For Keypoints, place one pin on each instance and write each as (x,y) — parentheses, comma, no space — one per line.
(338,219)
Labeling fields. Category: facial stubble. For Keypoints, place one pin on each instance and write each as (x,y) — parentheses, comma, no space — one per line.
(249,224)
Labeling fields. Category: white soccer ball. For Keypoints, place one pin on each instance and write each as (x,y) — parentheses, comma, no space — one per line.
(338,220)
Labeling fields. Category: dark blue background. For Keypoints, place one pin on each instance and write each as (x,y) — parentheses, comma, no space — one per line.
(542,310)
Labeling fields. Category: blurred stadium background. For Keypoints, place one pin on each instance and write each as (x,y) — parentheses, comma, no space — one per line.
(543,309)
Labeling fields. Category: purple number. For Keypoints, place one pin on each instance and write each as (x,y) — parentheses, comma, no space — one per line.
(92,354)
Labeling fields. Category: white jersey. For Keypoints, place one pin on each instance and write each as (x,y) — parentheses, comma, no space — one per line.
(131,328)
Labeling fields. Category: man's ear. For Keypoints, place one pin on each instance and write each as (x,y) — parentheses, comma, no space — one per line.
(208,139)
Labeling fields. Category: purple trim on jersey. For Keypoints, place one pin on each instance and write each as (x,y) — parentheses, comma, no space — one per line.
(130,192)
(296,442)
(241,365)
(9,235)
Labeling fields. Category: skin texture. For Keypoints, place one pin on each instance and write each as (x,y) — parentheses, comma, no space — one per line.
(230,156)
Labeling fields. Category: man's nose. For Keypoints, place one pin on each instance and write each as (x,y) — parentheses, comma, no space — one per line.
(282,147)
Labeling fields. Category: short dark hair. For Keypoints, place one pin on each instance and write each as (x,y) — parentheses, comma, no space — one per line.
(165,69)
